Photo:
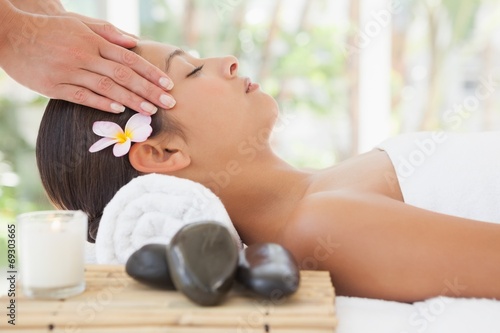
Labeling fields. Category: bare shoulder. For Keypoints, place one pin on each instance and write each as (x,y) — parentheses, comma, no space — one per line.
(368,173)
(322,236)
(319,218)
(328,206)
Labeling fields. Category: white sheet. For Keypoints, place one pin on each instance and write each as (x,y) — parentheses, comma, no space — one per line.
(435,315)
(456,174)
(450,173)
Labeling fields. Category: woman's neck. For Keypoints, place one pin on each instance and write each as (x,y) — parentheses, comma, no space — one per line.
(261,195)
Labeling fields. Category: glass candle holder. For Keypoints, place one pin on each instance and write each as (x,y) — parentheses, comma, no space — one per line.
(52,253)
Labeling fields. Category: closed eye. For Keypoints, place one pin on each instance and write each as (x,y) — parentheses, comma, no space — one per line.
(195,71)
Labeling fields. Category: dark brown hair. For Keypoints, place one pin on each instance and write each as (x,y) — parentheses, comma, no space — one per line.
(73,177)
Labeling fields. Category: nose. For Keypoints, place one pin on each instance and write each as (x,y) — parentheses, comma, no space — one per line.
(230,66)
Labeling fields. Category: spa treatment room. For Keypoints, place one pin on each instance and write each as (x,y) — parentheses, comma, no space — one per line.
(250,166)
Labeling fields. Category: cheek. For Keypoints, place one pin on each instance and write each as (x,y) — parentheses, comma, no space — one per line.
(210,109)
(207,85)
(204,94)
(203,111)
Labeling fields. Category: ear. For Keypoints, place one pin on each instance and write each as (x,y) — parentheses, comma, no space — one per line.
(159,155)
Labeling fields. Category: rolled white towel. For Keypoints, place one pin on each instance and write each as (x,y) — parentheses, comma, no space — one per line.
(151,209)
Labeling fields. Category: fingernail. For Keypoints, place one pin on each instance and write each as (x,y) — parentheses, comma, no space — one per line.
(166,83)
(148,107)
(167,100)
(118,108)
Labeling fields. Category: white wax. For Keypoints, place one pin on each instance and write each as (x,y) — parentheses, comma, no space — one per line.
(52,256)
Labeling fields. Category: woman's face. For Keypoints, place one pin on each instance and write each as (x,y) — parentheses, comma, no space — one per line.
(219,110)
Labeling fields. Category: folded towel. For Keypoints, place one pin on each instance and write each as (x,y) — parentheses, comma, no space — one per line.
(151,209)
(449,173)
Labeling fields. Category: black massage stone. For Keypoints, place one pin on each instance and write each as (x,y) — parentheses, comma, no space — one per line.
(202,259)
(149,266)
(269,270)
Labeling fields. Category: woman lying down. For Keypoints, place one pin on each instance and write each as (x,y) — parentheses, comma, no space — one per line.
(354,219)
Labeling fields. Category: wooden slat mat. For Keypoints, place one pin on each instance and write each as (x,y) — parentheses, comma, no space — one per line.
(113,302)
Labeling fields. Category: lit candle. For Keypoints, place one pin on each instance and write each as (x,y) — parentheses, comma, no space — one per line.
(51,249)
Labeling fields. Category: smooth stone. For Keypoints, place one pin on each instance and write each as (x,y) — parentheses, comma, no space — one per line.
(268,270)
(202,259)
(149,265)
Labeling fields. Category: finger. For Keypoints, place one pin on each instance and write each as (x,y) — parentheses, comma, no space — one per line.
(126,77)
(112,34)
(92,22)
(129,34)
(138,64)
(106,87)
(84,96)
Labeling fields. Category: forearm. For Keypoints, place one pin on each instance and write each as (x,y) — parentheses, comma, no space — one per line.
(42,7)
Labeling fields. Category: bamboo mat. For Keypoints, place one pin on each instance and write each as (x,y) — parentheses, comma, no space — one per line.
(113,302)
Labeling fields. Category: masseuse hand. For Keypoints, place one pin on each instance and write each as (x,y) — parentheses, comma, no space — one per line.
(82,61)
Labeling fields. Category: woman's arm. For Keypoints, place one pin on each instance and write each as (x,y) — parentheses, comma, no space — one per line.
(377,247)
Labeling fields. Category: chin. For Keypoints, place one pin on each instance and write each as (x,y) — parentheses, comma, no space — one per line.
(268,109)
(272,117)
(271,104)
(275,110)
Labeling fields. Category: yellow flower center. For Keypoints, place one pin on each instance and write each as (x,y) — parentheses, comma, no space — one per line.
(122,137)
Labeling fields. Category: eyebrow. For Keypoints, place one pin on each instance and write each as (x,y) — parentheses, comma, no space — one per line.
(177,52)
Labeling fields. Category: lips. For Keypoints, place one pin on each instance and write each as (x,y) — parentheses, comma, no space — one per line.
(249,86)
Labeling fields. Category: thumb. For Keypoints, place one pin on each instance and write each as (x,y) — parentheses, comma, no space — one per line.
(112,34)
